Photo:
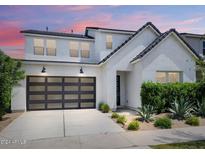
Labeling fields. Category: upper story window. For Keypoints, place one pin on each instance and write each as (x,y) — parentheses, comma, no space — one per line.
(204,47)
(85,49)
(168,76)
(50,47)
(73,48)
(108,41)
(38,46)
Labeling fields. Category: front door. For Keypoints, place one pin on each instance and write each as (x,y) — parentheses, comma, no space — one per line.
(118,90)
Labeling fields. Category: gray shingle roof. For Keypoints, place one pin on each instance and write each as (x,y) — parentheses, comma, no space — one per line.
(130,38)
(56,34)
(193,35)
(158,40)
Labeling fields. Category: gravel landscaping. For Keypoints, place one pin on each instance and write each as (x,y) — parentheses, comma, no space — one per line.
(143,126)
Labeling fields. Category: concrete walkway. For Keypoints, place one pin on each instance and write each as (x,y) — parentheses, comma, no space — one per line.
(137,139)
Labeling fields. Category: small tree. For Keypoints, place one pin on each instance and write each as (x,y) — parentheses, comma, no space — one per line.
(10,74)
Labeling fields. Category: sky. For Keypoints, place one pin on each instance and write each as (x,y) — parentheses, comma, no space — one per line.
(59,18)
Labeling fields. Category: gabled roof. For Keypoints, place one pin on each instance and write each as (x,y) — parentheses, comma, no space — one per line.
(158,40)
(130,38)
(56,34)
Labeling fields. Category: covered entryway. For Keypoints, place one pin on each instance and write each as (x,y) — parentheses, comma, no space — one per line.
(57,92)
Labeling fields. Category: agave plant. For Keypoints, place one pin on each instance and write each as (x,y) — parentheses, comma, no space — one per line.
(200,110)
(145,112)
(181,108)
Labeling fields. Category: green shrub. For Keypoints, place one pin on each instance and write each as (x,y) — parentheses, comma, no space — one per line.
(115,115)
(105,108)
(145,112)
(163,123)
(100,106)
(10,74)
(160,95)
(181,108)
(121,119)
(193,121)
(134,125)
(200,109)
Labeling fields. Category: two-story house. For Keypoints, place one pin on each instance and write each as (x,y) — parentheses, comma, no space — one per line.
(66,71)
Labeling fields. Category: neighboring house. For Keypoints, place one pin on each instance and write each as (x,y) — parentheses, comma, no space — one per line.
(104,65)
(197,42)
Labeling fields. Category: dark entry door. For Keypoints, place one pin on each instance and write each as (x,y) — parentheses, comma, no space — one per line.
(118,90)
(54,92)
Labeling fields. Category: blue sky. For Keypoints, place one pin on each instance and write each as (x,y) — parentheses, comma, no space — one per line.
(64,18)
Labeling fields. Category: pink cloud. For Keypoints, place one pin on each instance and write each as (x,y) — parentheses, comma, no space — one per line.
(73,8)
(10,38)
(9,34)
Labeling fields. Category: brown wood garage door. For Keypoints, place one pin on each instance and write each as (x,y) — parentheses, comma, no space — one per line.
(52,92)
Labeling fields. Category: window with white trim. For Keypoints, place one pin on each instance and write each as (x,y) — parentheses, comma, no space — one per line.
(38,46)
(85,49)
(108,41)
(51,47)
(168,76)
(74,48)
(204,47)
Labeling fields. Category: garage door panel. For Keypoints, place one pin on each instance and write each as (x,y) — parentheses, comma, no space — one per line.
(37,79)
(55,88)
(71,88)
(87,104)
(37,106)
(36,97)
(54,105)
(71,105)
(55,79)
(60,92)
(37,88)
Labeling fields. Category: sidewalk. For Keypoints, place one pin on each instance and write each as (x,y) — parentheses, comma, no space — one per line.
(141,139)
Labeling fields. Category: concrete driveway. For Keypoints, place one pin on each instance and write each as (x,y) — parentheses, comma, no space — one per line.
(59,123)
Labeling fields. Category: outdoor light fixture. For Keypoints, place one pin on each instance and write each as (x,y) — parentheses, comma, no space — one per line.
(43,70)
(81,70)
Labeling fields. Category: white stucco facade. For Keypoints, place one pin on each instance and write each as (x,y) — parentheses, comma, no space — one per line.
(170,54)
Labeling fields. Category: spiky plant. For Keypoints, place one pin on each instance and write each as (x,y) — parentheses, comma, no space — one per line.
(145,112)
(181,108)
(200,110)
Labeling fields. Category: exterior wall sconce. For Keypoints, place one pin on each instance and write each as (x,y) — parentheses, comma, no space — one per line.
(43,70)
(81,70)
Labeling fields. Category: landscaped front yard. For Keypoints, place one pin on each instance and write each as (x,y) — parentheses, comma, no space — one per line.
(132,116)
(184,145)
(165,106)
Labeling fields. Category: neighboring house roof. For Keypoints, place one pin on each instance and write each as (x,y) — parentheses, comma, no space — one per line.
(130,38)
(56,34)
(158,40)
(193,35)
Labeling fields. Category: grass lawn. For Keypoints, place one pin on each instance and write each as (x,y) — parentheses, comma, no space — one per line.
(184,145)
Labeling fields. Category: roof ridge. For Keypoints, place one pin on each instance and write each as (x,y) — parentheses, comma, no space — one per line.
(126,41)
(158,40)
